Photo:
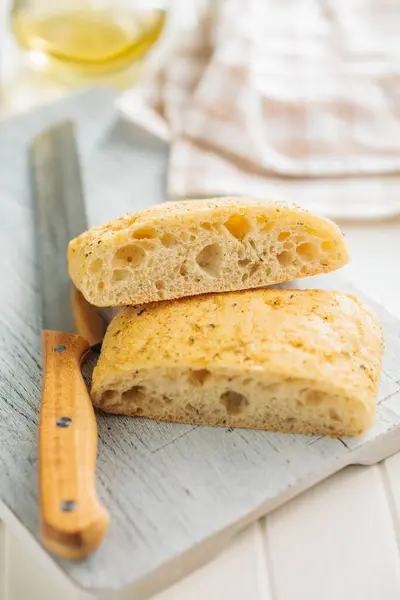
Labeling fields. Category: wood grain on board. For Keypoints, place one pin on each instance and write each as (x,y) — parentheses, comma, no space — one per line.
(175,493)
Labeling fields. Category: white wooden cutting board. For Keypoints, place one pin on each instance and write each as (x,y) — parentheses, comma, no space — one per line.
(176,493)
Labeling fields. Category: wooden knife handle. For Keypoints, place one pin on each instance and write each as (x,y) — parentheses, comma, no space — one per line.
(73,520)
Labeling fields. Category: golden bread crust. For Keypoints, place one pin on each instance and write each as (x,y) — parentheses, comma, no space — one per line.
(302,361)
(179,249)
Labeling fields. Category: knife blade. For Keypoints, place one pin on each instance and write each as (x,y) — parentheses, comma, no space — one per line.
(74,522)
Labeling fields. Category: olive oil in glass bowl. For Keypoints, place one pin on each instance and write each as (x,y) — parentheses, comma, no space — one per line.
(87,38)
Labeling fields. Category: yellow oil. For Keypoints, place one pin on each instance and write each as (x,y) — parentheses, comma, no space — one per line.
(90,41)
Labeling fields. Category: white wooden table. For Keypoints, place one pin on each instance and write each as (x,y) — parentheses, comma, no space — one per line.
(339,540)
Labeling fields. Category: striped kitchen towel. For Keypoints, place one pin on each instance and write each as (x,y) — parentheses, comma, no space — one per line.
(292,100)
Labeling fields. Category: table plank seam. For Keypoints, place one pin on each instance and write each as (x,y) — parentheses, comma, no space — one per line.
(390,499)
(262,539)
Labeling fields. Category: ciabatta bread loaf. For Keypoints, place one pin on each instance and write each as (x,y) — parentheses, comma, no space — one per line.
(284,360)
(187,248)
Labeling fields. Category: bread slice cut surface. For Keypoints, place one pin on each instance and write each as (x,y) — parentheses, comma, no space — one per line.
(283,360)
(179,249)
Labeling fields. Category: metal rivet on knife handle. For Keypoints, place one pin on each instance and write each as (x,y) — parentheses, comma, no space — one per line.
(68,505)
(60,348)
(63,422)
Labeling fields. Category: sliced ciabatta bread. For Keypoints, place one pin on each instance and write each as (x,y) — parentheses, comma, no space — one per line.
(180,249)
(284,360)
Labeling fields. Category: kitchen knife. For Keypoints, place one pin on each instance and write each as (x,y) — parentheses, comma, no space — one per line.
(74,522)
